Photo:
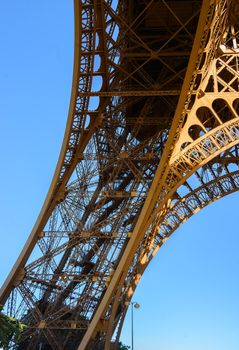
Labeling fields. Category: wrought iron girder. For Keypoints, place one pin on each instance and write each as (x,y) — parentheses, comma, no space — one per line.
(178,212)
(225,136)
(57,248)
(117,192)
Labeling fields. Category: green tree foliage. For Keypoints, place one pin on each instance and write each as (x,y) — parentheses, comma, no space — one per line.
(10,329)
(121,346)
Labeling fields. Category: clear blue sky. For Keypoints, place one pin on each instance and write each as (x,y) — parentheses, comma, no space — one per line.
(189,295)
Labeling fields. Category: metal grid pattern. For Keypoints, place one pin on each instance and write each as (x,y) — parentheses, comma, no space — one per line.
(151,138)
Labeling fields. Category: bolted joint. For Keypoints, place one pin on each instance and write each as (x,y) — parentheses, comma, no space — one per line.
(61,195)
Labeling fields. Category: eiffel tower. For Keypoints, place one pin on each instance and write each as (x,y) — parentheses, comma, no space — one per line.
(151,138)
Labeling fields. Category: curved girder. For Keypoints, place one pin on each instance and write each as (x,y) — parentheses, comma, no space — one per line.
(72,148)
(216,140)
(125,160)
(119,278)
(222,186)
(220,178)
(203,152)
(106,165)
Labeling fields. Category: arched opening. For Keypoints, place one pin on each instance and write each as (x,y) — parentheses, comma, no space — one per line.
(189,294)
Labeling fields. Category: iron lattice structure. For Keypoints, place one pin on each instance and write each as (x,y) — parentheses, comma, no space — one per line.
(152,137)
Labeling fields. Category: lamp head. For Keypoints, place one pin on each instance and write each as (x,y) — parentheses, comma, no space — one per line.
(137,306)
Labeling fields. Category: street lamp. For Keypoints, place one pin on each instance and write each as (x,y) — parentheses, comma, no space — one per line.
(136,306)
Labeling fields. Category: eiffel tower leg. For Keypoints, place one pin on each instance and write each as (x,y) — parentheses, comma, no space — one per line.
(209,127)
(152,137)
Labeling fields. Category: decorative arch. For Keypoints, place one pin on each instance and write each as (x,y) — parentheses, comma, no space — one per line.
(184,208)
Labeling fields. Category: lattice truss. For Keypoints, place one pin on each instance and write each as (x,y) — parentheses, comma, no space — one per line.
(202,165)
(131,60)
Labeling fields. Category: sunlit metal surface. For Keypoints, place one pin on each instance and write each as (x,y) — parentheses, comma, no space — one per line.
(151,138)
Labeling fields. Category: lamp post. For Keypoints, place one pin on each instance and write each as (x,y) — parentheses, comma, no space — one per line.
(136,306)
